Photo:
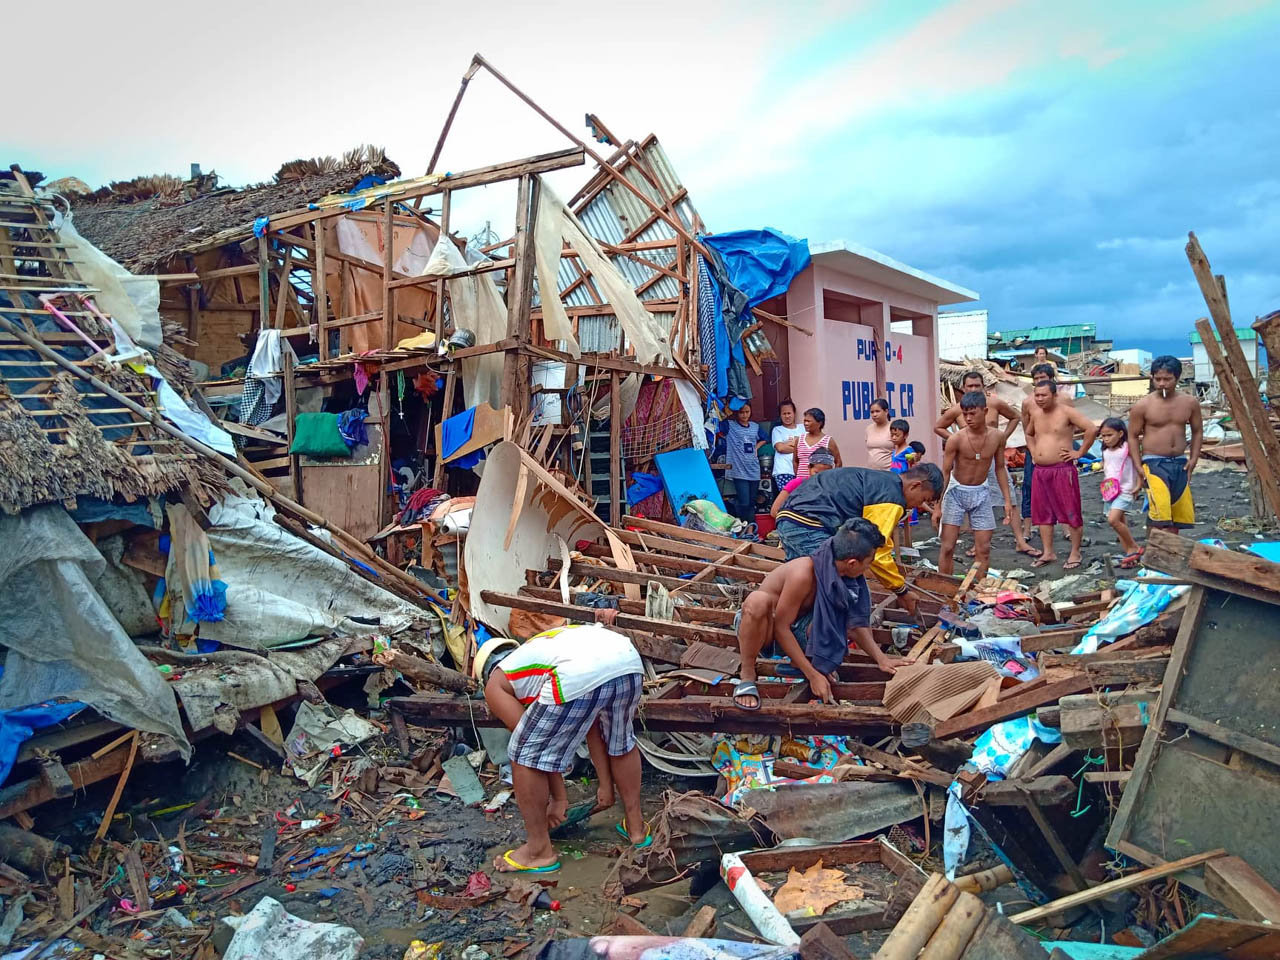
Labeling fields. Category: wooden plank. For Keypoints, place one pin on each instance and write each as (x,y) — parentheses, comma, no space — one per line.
(674,532)
(1172,554)
(1112,886)
(1145,760)
(976,721)
(1242,567)
(743,550)
(625,621)
(1225,735)
(1239,888)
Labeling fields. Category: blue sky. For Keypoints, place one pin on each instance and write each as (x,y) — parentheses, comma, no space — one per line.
(1050,156)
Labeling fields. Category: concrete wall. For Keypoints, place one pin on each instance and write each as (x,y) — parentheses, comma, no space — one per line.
(853,357)
(1204,369)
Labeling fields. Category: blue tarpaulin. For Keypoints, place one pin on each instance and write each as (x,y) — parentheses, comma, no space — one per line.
(760,263)
(746,268)
(16,727)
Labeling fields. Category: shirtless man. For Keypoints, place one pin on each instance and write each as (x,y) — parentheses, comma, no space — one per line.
(996,408)
(1055,492)
(1158,440)
(782,609)
(968,455)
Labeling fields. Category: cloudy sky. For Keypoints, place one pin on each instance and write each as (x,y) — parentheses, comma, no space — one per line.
(1051,156)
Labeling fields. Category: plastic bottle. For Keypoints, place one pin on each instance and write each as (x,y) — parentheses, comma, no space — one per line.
(543,901)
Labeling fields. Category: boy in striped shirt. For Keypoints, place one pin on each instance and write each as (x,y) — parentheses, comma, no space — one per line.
(554,691)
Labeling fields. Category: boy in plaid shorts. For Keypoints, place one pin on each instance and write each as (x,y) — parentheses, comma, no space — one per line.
(554,691)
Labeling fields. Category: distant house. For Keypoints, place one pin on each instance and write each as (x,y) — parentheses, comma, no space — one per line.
(1068,339)
(961,333)
(1138,357)
(1249,342)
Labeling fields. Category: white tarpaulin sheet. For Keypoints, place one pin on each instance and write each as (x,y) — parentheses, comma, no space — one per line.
(281,588)
(62,638)
(475,305)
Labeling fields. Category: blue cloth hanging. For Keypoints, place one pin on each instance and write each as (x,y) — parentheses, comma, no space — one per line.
(643,486)
(456,432)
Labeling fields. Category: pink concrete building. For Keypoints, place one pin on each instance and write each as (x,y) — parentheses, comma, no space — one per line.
(848,298)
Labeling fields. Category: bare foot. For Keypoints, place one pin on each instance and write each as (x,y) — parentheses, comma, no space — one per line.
(525,857)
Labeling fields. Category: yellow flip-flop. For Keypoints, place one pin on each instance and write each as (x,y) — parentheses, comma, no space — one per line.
(521,868)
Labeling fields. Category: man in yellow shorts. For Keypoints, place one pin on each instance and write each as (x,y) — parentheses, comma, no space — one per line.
(1158,440)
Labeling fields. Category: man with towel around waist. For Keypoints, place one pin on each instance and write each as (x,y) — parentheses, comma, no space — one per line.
(1158,440)
(811,606)
(1055,490)
(816,509)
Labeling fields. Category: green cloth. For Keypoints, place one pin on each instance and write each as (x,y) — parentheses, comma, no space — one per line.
(316,435)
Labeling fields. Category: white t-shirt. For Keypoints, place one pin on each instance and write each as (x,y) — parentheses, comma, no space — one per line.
(560,665)
(784,462)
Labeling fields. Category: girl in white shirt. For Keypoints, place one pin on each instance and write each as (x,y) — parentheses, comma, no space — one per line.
(783,440)
(1119,486)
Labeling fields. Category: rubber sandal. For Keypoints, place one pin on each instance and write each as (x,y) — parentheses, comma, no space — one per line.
(745,688)
(643,844)
(521,868)
(1040,561)
(1030,552)
(1131,560)
(1071,565)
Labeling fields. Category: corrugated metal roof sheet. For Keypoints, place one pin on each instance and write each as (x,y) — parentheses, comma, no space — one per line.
(1060,332)
(1242,333)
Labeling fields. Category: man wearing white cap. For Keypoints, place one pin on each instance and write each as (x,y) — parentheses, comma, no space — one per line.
(554,691)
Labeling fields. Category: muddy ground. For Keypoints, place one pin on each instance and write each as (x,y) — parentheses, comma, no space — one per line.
(1220,491)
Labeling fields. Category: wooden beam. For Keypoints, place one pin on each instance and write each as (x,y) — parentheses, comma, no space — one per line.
(1240,888)
(1112,886)
(668,628)
(701,714)
(615,447)
(320,286)
(516,367)
(408,190)
(1251,431)
(1228,570)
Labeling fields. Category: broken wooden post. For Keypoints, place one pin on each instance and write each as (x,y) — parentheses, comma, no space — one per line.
(1268,328)
(424,671)
(920,921)
(27,851)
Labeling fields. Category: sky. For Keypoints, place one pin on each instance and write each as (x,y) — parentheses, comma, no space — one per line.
(1050,156)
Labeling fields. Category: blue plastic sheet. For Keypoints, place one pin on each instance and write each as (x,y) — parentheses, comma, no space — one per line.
(643,486)
(16,727)
(760,263)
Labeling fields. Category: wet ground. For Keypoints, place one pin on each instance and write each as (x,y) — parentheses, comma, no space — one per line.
(1220,492)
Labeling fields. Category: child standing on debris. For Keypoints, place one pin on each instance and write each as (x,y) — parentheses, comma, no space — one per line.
(1119,486)
(554,691)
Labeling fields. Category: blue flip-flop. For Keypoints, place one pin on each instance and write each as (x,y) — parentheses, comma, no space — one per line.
(622,832)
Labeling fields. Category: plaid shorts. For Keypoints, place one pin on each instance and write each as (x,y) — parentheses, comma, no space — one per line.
(961,501)
(548,734)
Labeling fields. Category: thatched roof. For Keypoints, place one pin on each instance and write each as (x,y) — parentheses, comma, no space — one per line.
(992,373)
(143,223)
